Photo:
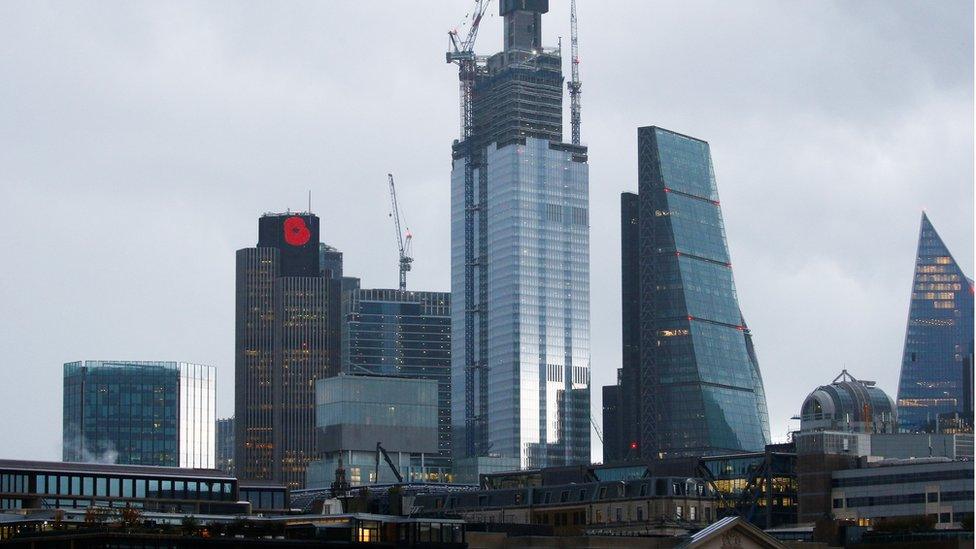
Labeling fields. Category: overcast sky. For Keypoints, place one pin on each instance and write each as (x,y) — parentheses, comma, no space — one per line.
(140,141)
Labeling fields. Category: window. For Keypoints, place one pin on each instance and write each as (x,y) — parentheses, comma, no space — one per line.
(620,514)
(677,511)
(113,487)
(640,514)
(944,517)
(933,497)
(838,503)
(88,486)
(101,488)
(692,513)
(127,490)
(564,496)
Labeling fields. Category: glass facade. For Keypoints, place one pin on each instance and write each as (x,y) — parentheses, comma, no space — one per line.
(939,339)
(140,413)
(35,484)
(700,388)
(520,353)
(534,398)
(225,445)
(374,400)
(404,334)
(355,412)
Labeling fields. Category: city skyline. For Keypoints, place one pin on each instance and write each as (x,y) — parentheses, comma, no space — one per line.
(830,246)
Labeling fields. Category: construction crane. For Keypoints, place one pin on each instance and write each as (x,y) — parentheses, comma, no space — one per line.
(574,84)
(461,52)
(403,239)
(386,456)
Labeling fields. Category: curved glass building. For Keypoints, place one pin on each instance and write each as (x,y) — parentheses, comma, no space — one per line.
(701,391)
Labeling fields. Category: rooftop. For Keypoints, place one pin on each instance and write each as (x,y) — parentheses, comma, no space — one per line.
(104,468)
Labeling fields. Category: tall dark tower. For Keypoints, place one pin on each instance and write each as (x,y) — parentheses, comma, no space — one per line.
(284,342)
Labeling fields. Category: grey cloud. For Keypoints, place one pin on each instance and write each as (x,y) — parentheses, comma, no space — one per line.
(140,141)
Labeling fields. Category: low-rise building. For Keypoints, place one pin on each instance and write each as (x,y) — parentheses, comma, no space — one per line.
(52,485)
(939,488)
(355,413)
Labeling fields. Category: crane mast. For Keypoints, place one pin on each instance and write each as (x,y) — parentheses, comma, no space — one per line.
(403,240)
(461,52)
(574,84)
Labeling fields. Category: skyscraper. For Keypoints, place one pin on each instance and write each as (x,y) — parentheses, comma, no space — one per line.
(139,413)
(699,387)
(285,340)
(225,445)
(520,262)
(405,334)
(935,370)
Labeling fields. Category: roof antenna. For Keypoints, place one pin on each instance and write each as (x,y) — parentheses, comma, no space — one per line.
(310,201)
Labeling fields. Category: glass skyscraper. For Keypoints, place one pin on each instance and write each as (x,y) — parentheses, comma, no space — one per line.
(139,413)
(936,367)
(700,391)
(225,445)
(405,334)
(520,263)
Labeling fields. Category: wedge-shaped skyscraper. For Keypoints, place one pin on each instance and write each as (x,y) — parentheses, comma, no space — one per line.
(700,390)
(936,368)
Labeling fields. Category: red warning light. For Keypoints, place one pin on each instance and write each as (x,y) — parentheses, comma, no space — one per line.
(633,445)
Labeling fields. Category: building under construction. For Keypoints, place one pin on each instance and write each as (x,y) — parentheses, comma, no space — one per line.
(520,255)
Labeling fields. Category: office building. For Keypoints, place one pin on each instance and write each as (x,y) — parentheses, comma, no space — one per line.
(690,381)
(612,423)
(404,334)
(520,263)
(225,445)
(936,369)
(850,420)
(358,414)
(286,338)
(939,488)
(139,413)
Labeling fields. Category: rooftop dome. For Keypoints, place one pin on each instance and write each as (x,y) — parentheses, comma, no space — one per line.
(849,404)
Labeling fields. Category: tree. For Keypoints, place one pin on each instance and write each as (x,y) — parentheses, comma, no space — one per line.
(130,518)
(98,516)
(190,526)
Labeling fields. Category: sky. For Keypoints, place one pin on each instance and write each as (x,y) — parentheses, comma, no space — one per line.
(140,142)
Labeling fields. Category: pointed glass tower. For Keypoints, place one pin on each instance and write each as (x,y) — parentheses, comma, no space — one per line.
(939,338)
